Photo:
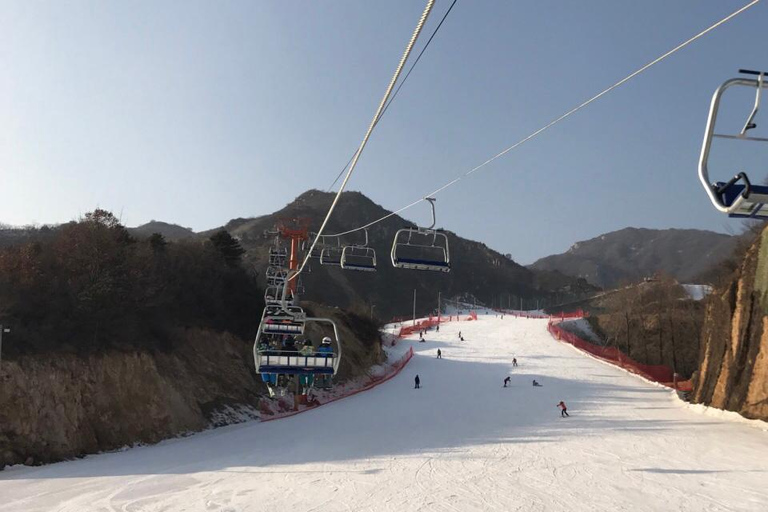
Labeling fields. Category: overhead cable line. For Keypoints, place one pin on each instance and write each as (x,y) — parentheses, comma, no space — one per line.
(399,86)
(557,120)
(356,158)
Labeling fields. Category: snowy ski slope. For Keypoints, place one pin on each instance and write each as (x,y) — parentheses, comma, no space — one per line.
(461,443)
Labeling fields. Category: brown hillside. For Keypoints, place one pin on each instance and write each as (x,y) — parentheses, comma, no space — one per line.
(476,269)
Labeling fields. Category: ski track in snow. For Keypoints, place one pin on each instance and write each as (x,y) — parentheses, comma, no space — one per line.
(461,443)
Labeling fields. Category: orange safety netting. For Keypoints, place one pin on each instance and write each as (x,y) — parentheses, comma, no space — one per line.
(656,373)
(432,321)
(370,383)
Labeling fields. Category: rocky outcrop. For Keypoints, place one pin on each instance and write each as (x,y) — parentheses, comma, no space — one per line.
(58,406)
(733,370)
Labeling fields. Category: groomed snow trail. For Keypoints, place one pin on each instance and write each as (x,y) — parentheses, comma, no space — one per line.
(462,442)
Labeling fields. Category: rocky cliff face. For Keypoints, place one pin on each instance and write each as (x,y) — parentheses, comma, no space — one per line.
(57,406)
(733,370)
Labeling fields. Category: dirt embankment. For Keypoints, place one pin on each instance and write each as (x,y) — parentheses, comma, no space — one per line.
(56,406)
(733,368)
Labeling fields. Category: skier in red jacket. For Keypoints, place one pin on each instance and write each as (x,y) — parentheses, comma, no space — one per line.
(563,409)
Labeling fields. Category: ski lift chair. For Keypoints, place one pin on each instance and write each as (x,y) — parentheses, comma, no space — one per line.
(278,362)
(282,319)
(331,256)
(421,248)
(317,250)
(359,257)
(273,295)
(276,276)
(738,197)
(278,257)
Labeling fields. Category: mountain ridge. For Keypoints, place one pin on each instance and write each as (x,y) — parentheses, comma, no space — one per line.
(632,254)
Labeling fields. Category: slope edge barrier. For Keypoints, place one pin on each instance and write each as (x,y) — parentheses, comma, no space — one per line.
(431,321)
(371,383)
(656,373)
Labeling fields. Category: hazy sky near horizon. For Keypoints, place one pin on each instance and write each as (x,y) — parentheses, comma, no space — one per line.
(199,112)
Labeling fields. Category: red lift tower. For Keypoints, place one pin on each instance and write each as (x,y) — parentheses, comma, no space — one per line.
(296,229)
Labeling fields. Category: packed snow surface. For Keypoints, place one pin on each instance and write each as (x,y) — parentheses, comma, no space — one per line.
(462,442)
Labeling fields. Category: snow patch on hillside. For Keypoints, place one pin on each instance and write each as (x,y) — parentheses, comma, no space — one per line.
(697,291)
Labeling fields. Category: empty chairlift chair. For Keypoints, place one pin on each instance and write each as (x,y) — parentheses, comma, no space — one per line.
(276,276)
(278,257)
(331,255)
(317,248)
(273,295)
(738,197)
(282,320)
(359,257)
(422,248)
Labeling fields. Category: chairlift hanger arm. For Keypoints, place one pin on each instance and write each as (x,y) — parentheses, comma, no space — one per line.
(750,124)
(709,134)
(431,201)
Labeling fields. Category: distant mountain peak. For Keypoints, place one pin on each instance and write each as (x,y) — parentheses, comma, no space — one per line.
(630,254)
(169,231)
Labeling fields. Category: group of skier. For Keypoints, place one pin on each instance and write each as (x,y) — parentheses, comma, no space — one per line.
(507,380)
(290,346)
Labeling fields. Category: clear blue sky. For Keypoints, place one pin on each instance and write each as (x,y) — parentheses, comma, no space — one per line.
(199,112)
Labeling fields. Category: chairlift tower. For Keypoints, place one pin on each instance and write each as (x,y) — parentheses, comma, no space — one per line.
(296,230)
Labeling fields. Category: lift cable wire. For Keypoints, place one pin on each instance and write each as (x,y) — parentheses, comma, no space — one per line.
(399,86)
(398,70)
(555,121)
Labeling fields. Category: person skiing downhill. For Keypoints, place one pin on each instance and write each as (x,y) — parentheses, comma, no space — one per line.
(514,361)
(439,354)
(506,381)
(417,381)
(563,409)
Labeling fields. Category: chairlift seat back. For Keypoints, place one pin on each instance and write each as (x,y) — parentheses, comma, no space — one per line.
(282,362)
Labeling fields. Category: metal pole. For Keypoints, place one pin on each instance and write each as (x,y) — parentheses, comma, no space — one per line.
(414,306)
(521,303)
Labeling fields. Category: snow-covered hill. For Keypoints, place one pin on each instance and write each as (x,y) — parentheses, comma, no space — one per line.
(462,442)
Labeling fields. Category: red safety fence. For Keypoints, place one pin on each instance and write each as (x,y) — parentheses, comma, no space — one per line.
(656,373)
(370,383)
(431,321)
(534,314)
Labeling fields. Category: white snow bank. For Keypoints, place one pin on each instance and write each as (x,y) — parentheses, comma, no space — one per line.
(714,412)
(581,328)
(697,291)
